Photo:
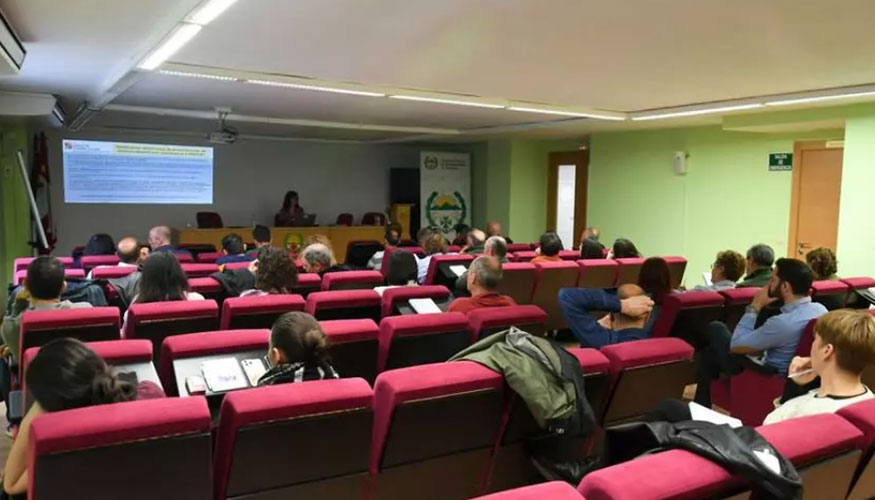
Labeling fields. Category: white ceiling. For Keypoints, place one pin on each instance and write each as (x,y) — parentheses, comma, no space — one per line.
(627,55)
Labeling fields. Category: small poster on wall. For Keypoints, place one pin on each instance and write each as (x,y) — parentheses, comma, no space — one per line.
(445,190)
(779,162)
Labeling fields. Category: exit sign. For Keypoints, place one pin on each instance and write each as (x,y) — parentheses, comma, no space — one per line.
(780,162)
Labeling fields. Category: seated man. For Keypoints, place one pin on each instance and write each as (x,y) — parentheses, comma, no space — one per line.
(629,311)
(549,247)
(778,337)
(159,240)
(590,233)
(493,228)
(261,236)
(390,239)
(758,266)
(474,242)
(484,275)
(318,259)
(129,252)
(234,250)
(494,247)
(844,344)
(726,270)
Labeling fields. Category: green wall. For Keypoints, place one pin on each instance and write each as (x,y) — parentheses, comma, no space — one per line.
(14,210)
(856,232)
(727,199)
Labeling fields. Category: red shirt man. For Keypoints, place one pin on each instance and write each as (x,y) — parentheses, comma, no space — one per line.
(484,275)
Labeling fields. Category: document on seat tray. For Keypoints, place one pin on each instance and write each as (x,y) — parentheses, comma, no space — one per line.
(458,270)
(706,277)
(702,414)
(224,374)
(424,306)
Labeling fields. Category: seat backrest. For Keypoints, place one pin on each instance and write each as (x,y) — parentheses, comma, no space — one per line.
(393,297)
(832,294)
(111,272)
(208,287)
(193,270)
(351,280)
(488,320)
(209,220)
(573,255)
(307,284)
(554,490)
(439,272)
(358,253)
(237,265)
(195,345)
(345,219)
(344,304)
(686,315)
(550,278)
(418,339)
(325,426)
(858,284)
(597,273)
(87,324)
(258,311)
(517,281)
(736,301)
(643,373)
(524,255)
(519,247)
(89,262)
(184,258)
(628,270)
(676,268)
(21,263)
(208,257)
(862,415)
(156,321)
(353,346)
(156,448)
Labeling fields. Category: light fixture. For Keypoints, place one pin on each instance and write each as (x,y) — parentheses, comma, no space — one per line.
(801,100)
(198,75)
(580,114)
(208,11)
(319,88)
(694,112)
(447,101)
(179,37)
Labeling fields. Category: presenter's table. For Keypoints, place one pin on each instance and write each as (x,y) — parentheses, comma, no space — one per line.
(340,236)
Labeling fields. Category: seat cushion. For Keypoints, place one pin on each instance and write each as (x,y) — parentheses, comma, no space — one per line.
(591,360)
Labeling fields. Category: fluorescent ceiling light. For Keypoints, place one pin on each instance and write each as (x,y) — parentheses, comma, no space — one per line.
(315,87)
(208,11)
(180,36)
(801,100)
(566,113)
(198,75)
(694,112)
(447,101)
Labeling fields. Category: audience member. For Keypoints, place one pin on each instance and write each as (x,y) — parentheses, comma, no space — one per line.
(162,280)
(65,374)
(549,247)
(474,242)
(758,266)
(401,271)
(726,270)
(390,240)
(130,253)
(655,279)
(261,236)
(623,249)
(629,312)
(322,240)
(844,345)
(275,273)
(591,249)
(823,262)
(291,211)
(434,244)
(159,240)
(494,247)
(233,249)
(778,337)
(318,258)
(461,238)
(297,351)
(99,244)
(493,228)
(484,275)
(590,233)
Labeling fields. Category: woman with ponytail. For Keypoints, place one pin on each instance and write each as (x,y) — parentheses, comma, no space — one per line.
(64,375)
(297,351)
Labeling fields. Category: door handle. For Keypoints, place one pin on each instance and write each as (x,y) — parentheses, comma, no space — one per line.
(802,246)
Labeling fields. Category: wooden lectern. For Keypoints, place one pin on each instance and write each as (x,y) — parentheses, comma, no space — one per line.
(400,214)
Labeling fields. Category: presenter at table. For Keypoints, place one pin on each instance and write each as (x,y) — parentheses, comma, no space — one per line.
(291,211)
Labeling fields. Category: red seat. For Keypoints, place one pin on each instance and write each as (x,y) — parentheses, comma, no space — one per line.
(200,344)
(87,324)
(208,257)
(196,248)
(555,490)
(344,219)
(862,283)
(328,422)
(209,220)
(156,321)
(569,255)
(106,273)
(550,278)
(862,415)
(199,270)
(184,258)
(439,269)
(344,304)
(208,287)
(308,283)
(489,320)
(643,373)
(351,280)
(524,255)
(89,262)
(257,311)
(628,270)
(832,294)
(434,425)
(353,345)
(736,301)
(359,252)
(21,263)
(384,267)
(237,265)
(393,297)
(454,248)
(597,273)
(68,273)
(676,268)
(520,247)
(686,315)
(517,281)
(157,448)
(418,339)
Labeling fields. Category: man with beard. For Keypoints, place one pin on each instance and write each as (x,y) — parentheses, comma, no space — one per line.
(776,339)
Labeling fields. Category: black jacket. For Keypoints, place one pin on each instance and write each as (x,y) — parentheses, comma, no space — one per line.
(235,281)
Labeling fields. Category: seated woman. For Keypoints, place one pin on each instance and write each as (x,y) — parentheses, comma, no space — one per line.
(727,269)
(98,244)
(623,249)
(291,211)
(297,351)
(275,273)
(591,249)
(402,271)
(655,279)
(162,279)
(823,262)
(433,244)
(64,375)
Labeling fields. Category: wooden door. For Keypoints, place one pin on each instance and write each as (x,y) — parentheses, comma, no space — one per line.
(814,207)
(580,159)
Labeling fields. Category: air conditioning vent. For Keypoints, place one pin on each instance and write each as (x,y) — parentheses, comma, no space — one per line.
(11,49)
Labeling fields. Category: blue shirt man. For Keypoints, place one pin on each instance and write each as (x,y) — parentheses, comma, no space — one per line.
(629,311)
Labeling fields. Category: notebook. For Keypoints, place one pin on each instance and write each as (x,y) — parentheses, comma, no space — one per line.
(458,270)
(424,306)
(224,374)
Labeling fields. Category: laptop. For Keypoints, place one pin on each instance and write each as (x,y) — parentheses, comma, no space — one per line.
(307,220)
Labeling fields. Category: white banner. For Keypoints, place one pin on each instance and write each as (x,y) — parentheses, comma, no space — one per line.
(445,190)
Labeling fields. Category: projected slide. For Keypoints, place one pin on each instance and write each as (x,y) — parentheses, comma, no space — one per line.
(123,172)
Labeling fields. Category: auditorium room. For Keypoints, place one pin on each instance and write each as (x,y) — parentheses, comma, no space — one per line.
(443,250)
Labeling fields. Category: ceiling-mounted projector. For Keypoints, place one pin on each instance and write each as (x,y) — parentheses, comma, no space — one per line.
(222,137)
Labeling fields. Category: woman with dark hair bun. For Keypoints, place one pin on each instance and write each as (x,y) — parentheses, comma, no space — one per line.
(297,351)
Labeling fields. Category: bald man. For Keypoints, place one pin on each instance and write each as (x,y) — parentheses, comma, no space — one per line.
(629,312)
(493,228)
(130,253)
(474,243)
(484,275)
(159,240)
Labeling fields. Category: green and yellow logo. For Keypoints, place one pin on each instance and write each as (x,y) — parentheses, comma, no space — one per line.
(445,211)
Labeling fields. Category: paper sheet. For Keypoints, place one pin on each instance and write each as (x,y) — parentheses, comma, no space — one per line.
(706,276)
(700,413)
(223,374)
(458,270)
(424,306)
